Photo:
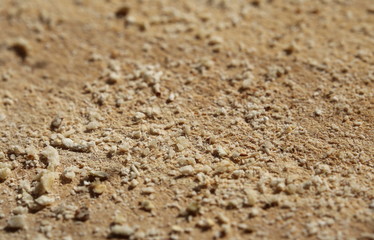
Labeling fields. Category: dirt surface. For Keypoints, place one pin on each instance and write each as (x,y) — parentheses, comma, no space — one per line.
(194,119)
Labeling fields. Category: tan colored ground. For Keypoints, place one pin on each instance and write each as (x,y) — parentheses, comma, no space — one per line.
(187,119)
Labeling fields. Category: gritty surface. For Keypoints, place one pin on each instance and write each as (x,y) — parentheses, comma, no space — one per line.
(198,119)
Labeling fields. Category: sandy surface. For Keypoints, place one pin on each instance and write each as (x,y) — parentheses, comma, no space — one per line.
(198,119)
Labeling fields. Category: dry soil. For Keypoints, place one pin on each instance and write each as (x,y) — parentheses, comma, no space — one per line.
(194,119)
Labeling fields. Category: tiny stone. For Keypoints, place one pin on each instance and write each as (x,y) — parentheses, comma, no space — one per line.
(220,152)
(46,183)
(67,238)
(253,212)
(68,174)
(122,12)
(31,153)
(4,173)
(123,148)
(246,84)
(193,209)
(52,156)
(98,188)
(222,219)
(215,40)
(134,183)
(291,189)
(19,210)
(245,228)
(182,143)
(68,143)
(21,47)
(82,214)
(56,123)
(176,229)
(39,237)
(99,174)
(121,231)
(17,150)
(187,170)
(205,224)
(139,116)
(147,206)
(17,222)
(113,78)
(251,197)
(119,219)
(92,126)
(371,204)
(148,190)
(247,81)
(2,117)
(318,112)
(45,200)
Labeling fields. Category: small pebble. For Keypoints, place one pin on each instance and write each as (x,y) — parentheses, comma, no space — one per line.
(52,156)
(147,206)
(92,126)
(56,123)
(98,188)
(148,190)
(187,170)
(21,47)
(2,117)
(17,222)
(4,173)
(220,151)
(205,224)
(123,12)
(45,200)
(121,231)
(82,214)
(46,183)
